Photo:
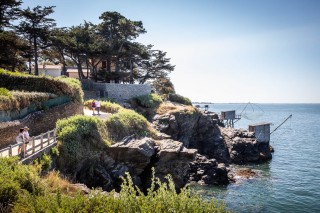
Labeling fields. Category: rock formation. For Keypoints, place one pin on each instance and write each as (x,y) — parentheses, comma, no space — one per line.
(204,132)
(195,130)
(244,148)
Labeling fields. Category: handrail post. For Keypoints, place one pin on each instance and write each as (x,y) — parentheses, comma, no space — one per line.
(24,148)
(33,145)
(41,141)
(48,135)
(10,151)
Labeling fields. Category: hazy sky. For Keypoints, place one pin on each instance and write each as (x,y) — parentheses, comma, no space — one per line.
(225,51)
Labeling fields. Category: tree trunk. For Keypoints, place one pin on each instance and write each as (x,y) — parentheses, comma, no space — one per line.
(131,72)
(36,70)
(80,72)
(64,70)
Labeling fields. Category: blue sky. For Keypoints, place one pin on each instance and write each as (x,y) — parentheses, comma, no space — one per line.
(263,51)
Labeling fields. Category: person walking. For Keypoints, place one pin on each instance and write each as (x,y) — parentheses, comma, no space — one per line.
(20,139)
(98,105)
(93,106)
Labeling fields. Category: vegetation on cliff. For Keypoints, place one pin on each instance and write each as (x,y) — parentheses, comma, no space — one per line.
(22,189)
(79,137)
(148,101)
(106,106)
(173,97)
(127,122)
(21,99)
(58,86)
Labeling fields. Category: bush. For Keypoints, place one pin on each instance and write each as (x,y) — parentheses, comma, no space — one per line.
(54,151)
(45,162)
(21,99)
(173,97)
(149,101)
(106,106)
(78,135)
(5,92)
(161,199)
(127,122)
(15,177)
(59,86)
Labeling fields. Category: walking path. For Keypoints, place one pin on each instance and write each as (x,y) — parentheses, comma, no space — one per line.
(103,115)
(38,144)
(35,146)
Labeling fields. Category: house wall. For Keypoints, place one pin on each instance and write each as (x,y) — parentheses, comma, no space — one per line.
(116,91)
(228,115)
(50,72)
(262,133)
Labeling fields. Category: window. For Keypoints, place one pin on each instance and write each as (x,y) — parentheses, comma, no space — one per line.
(104,64)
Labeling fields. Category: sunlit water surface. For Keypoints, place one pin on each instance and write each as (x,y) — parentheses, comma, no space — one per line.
(290,182)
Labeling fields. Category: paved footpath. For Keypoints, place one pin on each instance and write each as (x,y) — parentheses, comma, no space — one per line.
(103,115)
(88,112)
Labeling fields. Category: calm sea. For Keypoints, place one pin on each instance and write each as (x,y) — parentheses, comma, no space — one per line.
(290,182)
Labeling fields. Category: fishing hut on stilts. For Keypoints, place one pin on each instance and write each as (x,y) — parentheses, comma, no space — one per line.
(262,130)
(228,118)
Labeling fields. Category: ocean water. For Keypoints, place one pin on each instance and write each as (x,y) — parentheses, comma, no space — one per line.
(290,182)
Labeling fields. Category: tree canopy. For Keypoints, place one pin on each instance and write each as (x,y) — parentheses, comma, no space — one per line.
(109,49)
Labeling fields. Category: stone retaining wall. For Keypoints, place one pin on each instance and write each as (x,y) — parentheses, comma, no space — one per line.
(16,114)
(116,91)
(38,122)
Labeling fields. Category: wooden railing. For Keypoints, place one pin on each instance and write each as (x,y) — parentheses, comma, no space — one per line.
(34,145)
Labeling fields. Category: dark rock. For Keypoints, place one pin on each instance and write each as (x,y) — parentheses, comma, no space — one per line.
(195,130)
(243,146)
(174,159)
(134,153)
(94,174)
(208,171)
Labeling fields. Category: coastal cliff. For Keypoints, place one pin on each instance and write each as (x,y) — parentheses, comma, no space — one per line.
(204,132)
(181,141)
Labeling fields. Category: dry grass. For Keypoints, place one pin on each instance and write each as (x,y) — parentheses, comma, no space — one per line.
(53,182)
(168,107)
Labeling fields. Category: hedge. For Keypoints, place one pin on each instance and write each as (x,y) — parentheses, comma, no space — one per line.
(59,86)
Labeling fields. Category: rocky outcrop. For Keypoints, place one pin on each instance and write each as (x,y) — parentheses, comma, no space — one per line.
(244,148)
(174,159)
(204,132)
(208,171)
(195,130)
(138,156)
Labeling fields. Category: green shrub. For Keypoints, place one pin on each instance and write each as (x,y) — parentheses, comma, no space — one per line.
(78,136)
(55,151)
(173,97)
(22,99)
(5,92)
(45,161)
(59,86)
(149,101)
(14,178)
(127,122)
(106,106)
(161,199)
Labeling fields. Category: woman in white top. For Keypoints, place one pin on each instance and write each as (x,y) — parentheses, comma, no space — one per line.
(20,139)
(26,134)
(98,104)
